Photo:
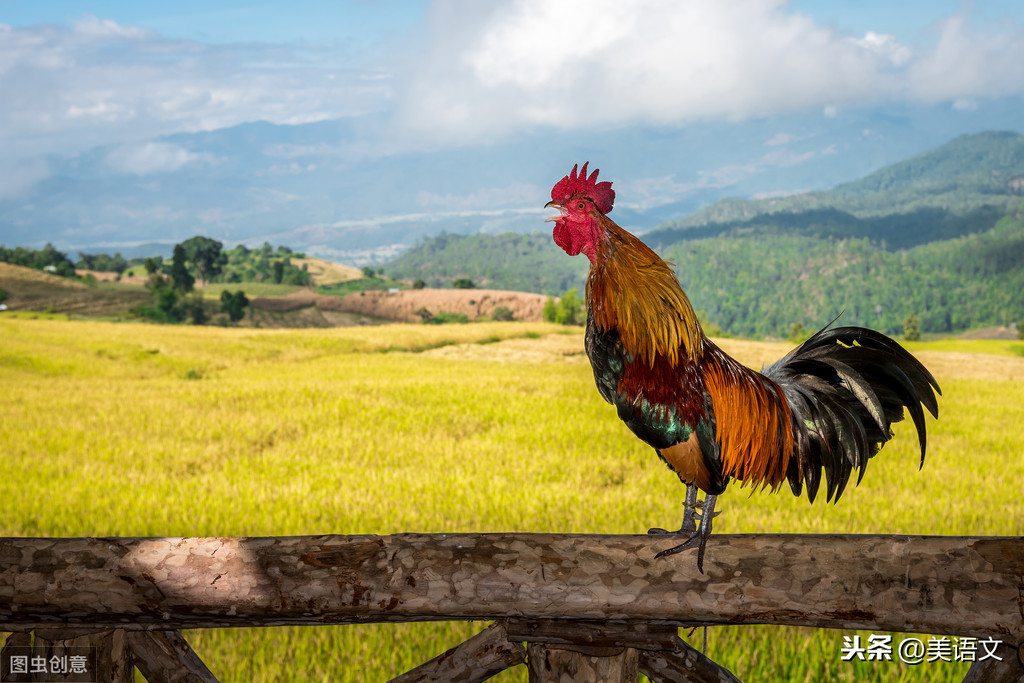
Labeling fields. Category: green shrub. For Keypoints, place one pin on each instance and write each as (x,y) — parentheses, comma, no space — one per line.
(502,314)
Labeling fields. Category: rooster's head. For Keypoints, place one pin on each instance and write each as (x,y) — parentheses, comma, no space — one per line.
(582,201)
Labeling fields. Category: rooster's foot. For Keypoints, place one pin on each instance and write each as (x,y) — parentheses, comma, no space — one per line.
(696,536)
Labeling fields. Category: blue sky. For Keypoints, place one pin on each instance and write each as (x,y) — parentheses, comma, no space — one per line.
(299,21)
(76,74)
(378,23)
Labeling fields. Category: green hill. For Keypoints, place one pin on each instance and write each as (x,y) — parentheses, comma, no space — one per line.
(963,187)
(940,235)
(983,163)
(521,262)
(760,285)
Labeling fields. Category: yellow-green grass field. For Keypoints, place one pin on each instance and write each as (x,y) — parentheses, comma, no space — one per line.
(143,430)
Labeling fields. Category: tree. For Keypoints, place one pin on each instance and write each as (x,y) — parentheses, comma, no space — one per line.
(278,271)
(182,279)
(368,271)
(153,264)
(912,327)
(206,256)
(50,256)
(463,283)
(233,303)
(418,283)
(570,309)
(550,310)
(196,310)
(166,300)
(1020,330)
(798,333)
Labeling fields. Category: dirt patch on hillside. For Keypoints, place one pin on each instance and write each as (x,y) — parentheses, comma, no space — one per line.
(108,276)
(32,290)
(327,272)
(403,306)
(998,332)
(474,303)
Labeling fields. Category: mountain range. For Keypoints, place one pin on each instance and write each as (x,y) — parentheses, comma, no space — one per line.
(939,235)
(342,189)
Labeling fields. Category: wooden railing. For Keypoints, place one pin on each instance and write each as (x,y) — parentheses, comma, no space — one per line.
(599,606)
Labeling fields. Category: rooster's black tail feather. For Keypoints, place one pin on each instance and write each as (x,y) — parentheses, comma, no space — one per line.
(845,387)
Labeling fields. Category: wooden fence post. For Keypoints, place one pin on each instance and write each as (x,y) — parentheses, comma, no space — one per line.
(582,664)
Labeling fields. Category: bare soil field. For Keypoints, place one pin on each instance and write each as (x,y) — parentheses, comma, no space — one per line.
(33,290)
(327,272)
(108,276)
(998,332)
(474,303)
(367,308)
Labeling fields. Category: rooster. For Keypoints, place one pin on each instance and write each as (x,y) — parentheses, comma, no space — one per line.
(827,406)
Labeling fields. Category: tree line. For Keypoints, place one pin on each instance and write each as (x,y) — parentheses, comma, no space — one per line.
(172,299)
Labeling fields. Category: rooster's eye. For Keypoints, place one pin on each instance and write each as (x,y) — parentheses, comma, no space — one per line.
(582,206)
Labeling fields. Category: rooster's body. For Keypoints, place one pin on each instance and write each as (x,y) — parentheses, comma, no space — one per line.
(825,407)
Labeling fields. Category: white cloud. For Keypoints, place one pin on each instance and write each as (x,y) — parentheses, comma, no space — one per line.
(885,45)
(152,157)
(489,69)
(94,28)
(479,71)
(964,64)
(782,139)
(69,88)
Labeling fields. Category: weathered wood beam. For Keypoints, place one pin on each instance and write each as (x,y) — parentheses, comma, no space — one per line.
(966,586)
(1006,667)
(484,655)
(683,665)
(580,664)
(166,656)
(643,636)
(113,659)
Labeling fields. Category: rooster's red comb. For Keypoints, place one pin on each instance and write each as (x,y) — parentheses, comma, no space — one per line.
(601,193)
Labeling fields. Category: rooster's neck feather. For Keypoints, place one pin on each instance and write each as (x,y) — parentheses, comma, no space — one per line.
(633,291)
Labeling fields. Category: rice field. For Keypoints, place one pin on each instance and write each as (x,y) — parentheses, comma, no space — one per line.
(142,430)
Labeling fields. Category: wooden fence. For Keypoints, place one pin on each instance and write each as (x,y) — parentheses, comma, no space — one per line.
(589,607)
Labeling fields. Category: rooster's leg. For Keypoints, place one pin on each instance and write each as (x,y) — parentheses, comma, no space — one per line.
(699,537)
(690,506)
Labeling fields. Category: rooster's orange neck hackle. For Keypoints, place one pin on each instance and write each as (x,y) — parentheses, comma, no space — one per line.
(630,288)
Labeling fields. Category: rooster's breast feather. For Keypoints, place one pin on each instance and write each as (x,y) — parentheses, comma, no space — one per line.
(665,405)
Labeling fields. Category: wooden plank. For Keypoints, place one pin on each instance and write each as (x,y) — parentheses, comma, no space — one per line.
(643,636)
(683,665)
(113,659)
(167,656)
(558,664)
(1006,667)
(484,655)
(967,586)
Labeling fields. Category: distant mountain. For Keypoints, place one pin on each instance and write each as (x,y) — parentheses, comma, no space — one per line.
(940,235)
(962,187)
(990,163)
(347,190)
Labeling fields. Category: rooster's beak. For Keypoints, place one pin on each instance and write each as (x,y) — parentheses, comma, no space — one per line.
(557,206)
